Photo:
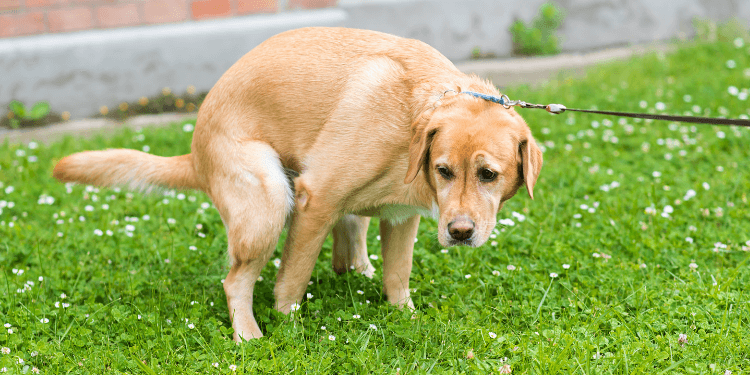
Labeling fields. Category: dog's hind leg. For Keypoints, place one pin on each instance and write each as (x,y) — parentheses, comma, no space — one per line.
(253,196)
(350,245)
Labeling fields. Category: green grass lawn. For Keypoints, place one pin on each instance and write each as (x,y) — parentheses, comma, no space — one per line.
(639,234)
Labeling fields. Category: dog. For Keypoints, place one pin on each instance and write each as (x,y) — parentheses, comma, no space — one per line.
(319,129)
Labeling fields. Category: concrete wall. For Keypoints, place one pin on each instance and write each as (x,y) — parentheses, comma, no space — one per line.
(81,71)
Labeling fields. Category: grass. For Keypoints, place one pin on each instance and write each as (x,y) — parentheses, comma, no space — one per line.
(106,281)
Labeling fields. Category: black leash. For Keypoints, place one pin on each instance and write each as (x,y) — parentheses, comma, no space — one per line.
(557,109)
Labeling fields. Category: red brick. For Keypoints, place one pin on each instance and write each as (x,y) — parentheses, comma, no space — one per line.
(311,4)
(211,8)
(21,24)
(9,4)
(117,15)
(43,3)
(97,2)
(256,6)
(160,11)
(69,19)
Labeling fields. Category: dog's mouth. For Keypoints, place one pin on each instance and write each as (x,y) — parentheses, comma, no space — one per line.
(467,242)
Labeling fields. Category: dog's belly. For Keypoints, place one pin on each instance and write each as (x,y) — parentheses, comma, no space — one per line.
(398,213)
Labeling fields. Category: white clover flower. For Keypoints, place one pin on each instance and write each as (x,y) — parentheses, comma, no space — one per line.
(738,42)
(496,273)
(689,239)
(507,222)
(98,232)
(187,128)
(733,90)
(731,64)
(511,267)
(693,266)
(706,186)
(171,221)
(5,350)
(233,367)
(682,339)
(689,194)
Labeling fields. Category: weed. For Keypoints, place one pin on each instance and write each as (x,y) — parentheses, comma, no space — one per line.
(539,38)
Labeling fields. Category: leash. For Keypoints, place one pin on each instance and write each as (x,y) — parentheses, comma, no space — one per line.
(557,109)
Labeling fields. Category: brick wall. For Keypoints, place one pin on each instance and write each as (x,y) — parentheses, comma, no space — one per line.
(29,17)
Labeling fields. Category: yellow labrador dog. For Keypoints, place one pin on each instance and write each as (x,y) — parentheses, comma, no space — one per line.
(331,126)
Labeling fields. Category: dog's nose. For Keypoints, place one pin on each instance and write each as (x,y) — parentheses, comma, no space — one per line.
(461,228)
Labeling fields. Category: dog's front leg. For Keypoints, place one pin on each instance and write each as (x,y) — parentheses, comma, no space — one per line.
(309,228)
(397,249)
(350,245)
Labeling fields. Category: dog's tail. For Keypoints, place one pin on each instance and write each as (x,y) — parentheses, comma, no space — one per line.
(128,168)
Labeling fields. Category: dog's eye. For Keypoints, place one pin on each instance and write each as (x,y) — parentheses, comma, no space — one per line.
(445,172)
(486,175)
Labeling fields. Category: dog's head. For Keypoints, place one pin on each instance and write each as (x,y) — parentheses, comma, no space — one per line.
(475,154)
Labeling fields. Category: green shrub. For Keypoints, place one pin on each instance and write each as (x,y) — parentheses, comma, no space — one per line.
(707,30)
(19,115)
(539,38)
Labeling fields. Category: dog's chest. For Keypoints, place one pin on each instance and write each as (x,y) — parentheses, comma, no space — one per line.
(398,213)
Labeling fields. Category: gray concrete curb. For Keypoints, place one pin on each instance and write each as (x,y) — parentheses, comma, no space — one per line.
(537,70)
(502,72)
(88,128)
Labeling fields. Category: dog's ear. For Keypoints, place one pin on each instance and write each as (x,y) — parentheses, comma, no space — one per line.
(419,148)
(531,162)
